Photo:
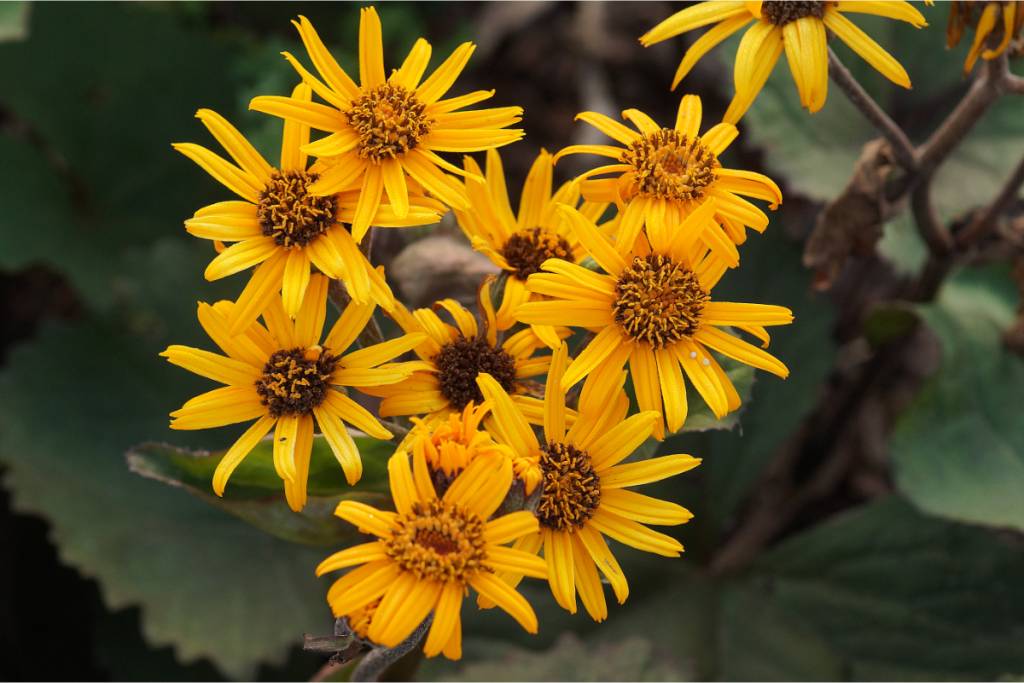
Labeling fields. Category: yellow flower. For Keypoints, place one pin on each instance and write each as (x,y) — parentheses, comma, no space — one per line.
(799,28)
(519,242)
(662,175)
(450,445)
(1002,19)
(389,129)
(282,376)
(430,551)
(653,308)
(583,494)
(279,227)
(451,356)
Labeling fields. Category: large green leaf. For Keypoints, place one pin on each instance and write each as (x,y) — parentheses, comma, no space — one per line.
(570,659)
(255,492)
(71,404)
(815,153)
(770,273)
(99,176)
(958,452)
(893,595)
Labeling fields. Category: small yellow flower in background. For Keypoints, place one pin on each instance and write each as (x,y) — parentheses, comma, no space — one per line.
(453,355)
(997,20)
(583,485)
(282,376)
(653,308)
(518,242)
(450,445)
(662,175)
(431,551)
(798,28)
(388,129)
(281,228)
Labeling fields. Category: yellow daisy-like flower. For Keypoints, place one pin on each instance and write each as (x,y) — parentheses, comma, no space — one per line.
(283,377)
(450,445)
(389,129)
(798,28)
(1000,21)
(519,242)
(583,490)
(662,175)
(653,308)
(451,356)
(430,551)
(280,227)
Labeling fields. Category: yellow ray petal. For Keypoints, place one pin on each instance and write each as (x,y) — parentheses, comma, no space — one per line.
(241,448)
(868,49)
(646,471)
(692,17)
(634,534)
(439,82)
(236,145)
(242,183)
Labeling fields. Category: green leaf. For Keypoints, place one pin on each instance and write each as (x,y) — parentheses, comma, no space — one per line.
(699,417)
(570,659)
(255,492)
(770,273)
(958,451)
(98,176)
(815,153)
(71,404)
(895,595)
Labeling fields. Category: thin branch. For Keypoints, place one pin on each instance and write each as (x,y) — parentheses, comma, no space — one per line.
(983,93)
(379,659)
(929,225)
(986,220)
(902,148)
(1014,84)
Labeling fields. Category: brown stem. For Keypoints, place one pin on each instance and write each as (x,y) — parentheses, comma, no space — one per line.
(985,90)
(379,659)
(933,230)
(986,220)
(898,140)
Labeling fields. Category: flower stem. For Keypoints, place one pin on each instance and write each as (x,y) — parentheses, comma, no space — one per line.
(898,140)
(379,659)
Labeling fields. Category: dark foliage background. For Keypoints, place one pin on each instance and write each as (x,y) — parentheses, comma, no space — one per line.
(904,562)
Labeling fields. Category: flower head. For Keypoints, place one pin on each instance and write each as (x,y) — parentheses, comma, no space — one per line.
(280,226)
(452,356)
(519,242)
(430,551)
(582,492)
(448,446)
(798,28)
(285,378)
(992,21)
(386,131)
(662,175)
(652,307)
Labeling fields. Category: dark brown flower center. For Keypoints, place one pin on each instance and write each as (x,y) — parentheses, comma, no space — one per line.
(389,120)
(658,301)
(527,250)
(781,12)
(460,361)
(295,381)
(669,165)
(438,541)
(289,214)
(570,489)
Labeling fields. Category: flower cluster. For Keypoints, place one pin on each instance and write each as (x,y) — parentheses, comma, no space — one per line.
(521,420)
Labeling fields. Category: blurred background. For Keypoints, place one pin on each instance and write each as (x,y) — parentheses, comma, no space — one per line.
(893,548)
